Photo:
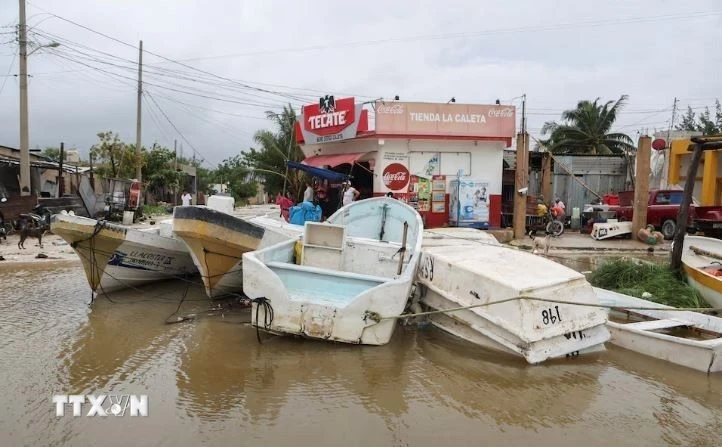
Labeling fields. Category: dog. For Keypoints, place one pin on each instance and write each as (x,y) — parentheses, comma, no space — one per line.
(540,243)
(29,231)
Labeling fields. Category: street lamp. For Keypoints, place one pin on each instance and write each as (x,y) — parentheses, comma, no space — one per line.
(25,187)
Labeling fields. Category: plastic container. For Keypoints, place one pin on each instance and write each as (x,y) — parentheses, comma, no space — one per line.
(128,217)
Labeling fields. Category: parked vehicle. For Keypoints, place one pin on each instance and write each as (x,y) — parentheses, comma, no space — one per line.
(662,211)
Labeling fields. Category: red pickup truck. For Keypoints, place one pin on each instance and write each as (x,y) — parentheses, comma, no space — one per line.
(662,210)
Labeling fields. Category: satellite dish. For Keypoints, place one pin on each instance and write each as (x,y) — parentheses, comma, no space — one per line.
(659,144)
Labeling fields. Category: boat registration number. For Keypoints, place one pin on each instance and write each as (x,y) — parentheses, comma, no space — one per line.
(551,316)
(717,225)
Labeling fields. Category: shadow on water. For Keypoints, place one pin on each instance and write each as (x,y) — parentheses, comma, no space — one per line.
(120,339)
(224,371)
(476,381)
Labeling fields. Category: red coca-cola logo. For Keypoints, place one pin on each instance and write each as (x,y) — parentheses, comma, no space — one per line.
(396,176)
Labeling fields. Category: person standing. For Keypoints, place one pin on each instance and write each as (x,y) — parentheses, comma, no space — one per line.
(349,193)
(186,198)
(561,210)
(308,193)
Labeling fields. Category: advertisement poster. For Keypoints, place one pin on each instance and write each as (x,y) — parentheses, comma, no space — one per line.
(438,194)
(469,203)
(424,193)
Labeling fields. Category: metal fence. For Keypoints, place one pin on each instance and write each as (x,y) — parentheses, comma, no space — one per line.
(602,174)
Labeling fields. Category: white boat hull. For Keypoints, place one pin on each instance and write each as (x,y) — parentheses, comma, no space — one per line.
(649,337)
(345,286)
(116,256)
(452,277)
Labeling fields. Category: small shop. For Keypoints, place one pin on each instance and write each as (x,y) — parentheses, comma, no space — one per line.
(445,160)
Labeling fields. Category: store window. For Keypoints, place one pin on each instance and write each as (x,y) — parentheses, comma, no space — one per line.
(427,164)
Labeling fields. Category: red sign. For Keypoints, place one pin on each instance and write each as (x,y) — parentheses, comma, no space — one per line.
(659,144)
(329,116)
(396,176)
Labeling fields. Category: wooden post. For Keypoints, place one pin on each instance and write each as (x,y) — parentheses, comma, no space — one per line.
(676,261)
(521,180)
(546,176)
(641,187)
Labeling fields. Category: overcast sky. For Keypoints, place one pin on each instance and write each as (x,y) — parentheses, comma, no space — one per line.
(557,52)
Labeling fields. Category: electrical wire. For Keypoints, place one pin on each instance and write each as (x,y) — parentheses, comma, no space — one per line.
(10,68)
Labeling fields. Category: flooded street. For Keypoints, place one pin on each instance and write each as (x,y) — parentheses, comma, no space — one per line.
(209,381)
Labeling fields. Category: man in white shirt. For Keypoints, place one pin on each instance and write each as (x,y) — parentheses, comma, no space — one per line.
(349,193)
(186,198)
(308,193)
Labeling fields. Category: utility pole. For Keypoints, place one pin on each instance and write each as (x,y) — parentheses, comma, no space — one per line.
(61,180)
(138,172)
(25,187)
(92,180)
(669,146)
(175,168)
(521,180)
(195,180)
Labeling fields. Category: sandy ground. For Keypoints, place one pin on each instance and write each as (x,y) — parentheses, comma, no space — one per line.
(54,247)
(576,242)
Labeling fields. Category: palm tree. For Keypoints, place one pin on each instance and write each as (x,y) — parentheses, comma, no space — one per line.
(276,148)
(586,130)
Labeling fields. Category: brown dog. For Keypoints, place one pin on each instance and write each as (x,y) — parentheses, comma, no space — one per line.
(29,231)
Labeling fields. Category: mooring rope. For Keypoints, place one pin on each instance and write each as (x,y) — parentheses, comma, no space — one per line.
(267,314)
(547,300)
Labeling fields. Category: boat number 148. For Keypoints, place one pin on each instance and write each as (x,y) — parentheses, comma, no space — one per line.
(551,316)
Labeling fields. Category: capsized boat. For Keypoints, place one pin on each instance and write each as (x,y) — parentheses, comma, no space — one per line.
(686,338)
(217,240)
(346,280)
(481,272)
(702,262)
(118,256)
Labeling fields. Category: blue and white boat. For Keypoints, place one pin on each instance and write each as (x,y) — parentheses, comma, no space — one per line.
(345,280)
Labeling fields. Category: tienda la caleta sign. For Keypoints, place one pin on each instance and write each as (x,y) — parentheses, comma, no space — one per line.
(461,120)
(330,120)
(396,176)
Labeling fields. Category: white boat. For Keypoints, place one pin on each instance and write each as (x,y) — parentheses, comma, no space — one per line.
(117,256)
(453,275)
(347,280)
(702,262)
(686,338)
(217,240)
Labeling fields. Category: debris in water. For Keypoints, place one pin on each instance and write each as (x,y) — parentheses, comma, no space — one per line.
(41,256)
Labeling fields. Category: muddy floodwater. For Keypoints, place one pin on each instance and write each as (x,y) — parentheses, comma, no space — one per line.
(209,381)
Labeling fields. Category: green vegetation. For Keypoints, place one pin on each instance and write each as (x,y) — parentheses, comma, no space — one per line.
(633,277)
(705,123)
(587,130)
(154,210)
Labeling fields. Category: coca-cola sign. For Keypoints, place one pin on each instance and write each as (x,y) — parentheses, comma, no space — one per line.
(396,176)
(390,109)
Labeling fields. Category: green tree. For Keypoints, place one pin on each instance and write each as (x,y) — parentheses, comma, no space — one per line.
(52,153)
(587,130)
(159,174)
(113,157)
(268,163)
(236,174)
(705,123)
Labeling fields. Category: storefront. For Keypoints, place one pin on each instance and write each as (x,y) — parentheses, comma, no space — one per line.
(446,160)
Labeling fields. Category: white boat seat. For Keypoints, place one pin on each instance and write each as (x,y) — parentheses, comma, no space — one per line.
(657,324)
(336,273)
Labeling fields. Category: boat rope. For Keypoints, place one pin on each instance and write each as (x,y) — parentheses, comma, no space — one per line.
(378,319)
(267,317)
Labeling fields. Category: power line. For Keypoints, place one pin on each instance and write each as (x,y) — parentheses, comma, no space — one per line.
(171,123)
(469,34)
(10,68)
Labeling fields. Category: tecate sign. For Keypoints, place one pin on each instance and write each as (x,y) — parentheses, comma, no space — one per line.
(396,176)
(330,116)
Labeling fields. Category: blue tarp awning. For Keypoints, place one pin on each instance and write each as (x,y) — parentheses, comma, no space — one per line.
(318,172)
